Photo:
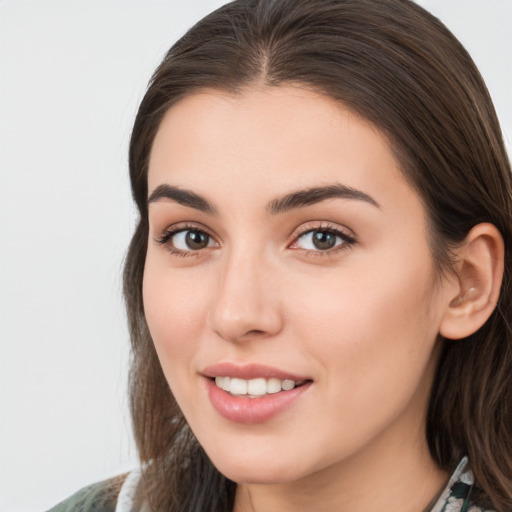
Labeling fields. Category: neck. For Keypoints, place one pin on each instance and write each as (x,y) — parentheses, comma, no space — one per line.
(398,476)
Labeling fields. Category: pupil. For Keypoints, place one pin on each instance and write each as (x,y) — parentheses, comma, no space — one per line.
(324,240)
(197,240)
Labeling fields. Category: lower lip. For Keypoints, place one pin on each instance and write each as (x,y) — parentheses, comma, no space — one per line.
(252,410)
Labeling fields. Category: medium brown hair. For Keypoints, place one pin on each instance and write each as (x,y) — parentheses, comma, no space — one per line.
(399,67)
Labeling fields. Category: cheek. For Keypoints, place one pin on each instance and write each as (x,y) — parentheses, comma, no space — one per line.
(363,299)
(374,339)
(173,307)
(371,327)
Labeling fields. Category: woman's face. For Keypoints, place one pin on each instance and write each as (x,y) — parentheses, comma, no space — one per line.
(286,250)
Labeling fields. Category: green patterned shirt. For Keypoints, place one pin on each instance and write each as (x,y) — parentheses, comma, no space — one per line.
(456,496)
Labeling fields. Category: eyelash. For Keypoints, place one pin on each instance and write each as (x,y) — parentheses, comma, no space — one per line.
(347,240)
(166,236)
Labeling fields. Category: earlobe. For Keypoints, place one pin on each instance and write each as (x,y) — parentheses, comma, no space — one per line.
(479,277)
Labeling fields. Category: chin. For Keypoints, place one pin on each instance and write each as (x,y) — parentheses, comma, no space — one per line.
(269,470)
(267,475)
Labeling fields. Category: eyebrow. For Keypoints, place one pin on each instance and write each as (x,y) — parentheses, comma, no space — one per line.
(298,199)
(315,195)
(183,197)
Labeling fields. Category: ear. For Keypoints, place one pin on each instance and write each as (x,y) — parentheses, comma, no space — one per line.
(479,272)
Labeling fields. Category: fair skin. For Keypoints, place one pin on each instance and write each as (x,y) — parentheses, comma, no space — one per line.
(356,314)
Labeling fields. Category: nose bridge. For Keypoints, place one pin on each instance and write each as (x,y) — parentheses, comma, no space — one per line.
(245,304)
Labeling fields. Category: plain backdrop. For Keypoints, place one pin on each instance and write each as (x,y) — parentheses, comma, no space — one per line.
(71,76)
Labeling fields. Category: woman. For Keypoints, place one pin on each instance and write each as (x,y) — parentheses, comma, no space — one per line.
(319,285)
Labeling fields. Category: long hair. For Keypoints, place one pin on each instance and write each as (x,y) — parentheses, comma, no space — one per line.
(399,67)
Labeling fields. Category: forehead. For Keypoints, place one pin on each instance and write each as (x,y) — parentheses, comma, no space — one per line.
(270,140)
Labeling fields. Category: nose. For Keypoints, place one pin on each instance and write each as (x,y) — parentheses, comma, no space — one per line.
(246,305)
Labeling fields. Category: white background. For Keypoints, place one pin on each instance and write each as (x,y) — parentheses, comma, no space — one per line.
(71,76)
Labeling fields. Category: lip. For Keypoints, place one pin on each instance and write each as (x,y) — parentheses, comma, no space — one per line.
(250,411)
(250,371)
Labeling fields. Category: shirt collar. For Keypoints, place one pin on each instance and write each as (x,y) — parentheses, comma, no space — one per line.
(457,493)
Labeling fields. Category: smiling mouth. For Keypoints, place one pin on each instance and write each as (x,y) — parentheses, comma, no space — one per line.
(254,388)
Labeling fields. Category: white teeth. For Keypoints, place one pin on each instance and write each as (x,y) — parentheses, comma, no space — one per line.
(288,384)
(226,386)
(223,383)
(257,387)
(254,387)
(273,385)
(238,386)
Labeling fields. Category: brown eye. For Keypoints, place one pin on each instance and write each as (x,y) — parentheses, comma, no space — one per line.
(196,240)
(191,240)
(323,240)
(319,240)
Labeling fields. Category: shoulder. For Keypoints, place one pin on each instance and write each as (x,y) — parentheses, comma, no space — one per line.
(98,497)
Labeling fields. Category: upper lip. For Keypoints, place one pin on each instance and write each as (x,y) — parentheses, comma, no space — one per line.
(249,371)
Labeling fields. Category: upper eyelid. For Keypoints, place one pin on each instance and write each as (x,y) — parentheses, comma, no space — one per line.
(308,227)
(185,226)
(167,233)
(347,235)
